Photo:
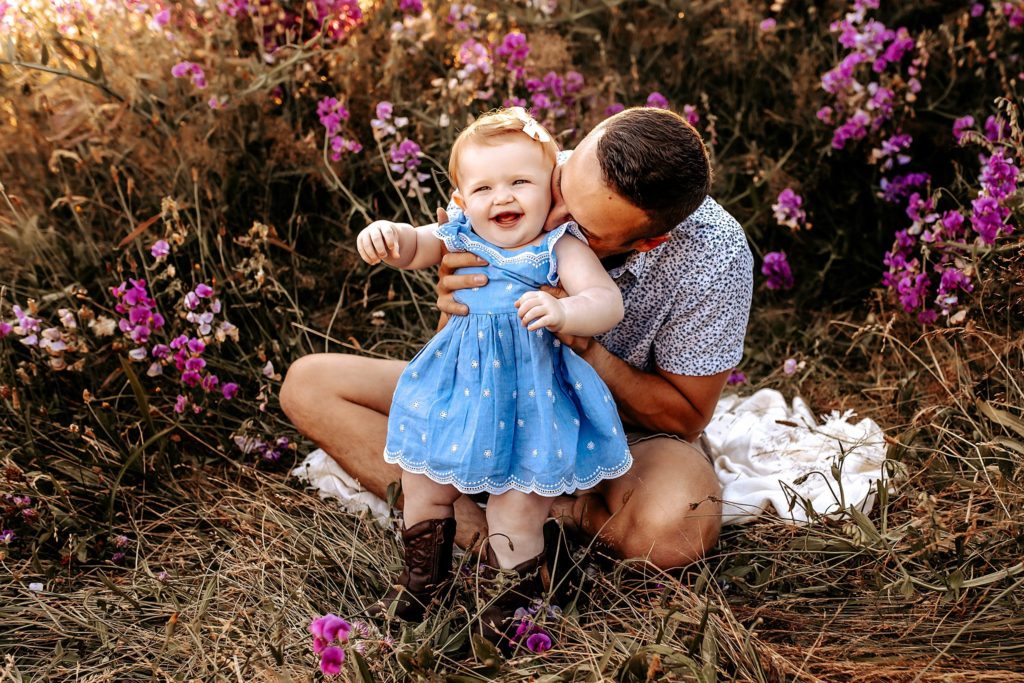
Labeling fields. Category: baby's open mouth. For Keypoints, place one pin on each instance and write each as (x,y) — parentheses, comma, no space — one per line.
(507,218)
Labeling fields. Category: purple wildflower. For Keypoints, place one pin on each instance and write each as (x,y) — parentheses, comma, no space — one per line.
(788,211)
(7,536)
(117,558)
(180,403)
(229,390)
(657,100)
(5,329)
(999,176)
(960,126)
(160,250)
(995,128)
(989,218)
(614,108)
(414,7)
(190,70)
(539,642)
(736,377)
(977,9)
(790,366)
(777,271)
(691,115)
(514,49)
(768,24)
(405,156)
(331,660)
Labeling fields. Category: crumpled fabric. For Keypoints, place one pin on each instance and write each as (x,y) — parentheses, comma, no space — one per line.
(771,457)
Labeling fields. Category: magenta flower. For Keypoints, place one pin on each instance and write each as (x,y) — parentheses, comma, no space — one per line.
(736,377)
(538,642)
(117,558)
(961,125)
(160,250)
(161,18)
(335,627)
(788,211)
(657,100)
(319,645)
(229,389)
(691,115)
(180,403)
(977,9)
(790,366)
(777,271)
(768,24)
(614,108)
(5,329)
(331,660)
(190,70)
(414,7)
(996,128)
(7,536)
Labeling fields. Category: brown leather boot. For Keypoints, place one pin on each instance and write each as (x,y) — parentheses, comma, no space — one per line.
(502,591)
(427,573)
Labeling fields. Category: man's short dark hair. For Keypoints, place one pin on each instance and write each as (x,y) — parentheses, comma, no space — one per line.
(657,161)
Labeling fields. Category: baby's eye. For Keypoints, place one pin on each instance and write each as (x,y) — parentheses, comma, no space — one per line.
(520,181)
(482,188)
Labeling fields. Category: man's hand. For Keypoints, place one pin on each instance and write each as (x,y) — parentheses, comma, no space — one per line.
(378,241)
(540,309)
(575,342)
(448,282)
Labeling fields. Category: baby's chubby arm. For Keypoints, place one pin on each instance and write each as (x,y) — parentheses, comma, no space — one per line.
(399,245)
(594,304)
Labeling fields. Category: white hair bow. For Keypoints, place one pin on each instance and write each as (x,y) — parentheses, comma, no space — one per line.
(530,125)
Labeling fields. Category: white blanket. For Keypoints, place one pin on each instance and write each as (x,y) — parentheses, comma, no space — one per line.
(769,457)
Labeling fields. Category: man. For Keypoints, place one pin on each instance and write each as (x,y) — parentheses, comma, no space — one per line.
(637,188)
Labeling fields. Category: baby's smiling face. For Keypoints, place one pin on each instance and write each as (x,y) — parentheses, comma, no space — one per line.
(505,189)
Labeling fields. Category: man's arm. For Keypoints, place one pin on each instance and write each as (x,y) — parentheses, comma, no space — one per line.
(657,402)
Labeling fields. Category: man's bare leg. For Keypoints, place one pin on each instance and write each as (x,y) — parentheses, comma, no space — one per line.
(661,510)
(341,403)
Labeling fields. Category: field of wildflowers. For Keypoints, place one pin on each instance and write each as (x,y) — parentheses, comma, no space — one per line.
(180,187)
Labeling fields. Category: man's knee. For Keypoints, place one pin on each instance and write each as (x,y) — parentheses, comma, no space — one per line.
(297,383)
(674,536)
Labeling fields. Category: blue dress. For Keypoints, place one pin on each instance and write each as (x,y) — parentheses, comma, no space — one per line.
(488,405)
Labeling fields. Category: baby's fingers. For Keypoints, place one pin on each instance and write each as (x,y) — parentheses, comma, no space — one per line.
(365,249)
(532,313)
(390,240)
(379,245)
(541,322)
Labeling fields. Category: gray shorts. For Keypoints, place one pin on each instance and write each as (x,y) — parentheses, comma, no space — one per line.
(701,444)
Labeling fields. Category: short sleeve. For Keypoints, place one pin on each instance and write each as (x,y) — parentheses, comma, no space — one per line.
(451,233)
(549,245)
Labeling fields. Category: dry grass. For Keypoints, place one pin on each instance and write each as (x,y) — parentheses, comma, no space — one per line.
(928,589)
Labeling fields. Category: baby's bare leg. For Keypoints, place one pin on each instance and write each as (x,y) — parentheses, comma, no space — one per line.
(516,523)
(426,499)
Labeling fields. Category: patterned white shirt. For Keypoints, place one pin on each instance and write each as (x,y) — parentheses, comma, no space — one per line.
(687,300)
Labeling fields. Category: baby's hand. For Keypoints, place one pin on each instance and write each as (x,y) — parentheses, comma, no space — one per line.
(540,309)
(378,241)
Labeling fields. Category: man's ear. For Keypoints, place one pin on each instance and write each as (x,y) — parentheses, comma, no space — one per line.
(459,201)
(648,243)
